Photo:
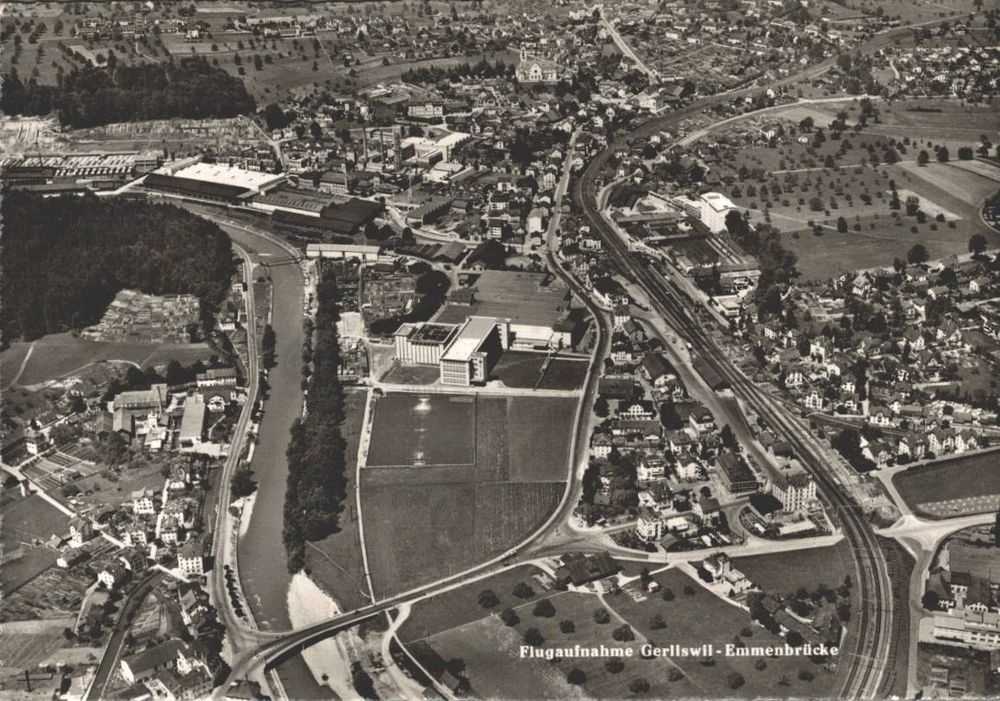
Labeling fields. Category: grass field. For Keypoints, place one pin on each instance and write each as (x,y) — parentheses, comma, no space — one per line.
(99,490)
(27,644)
(442,516)
(460,606)
(24,521)
(832,254)
(57,355)
(790,187)
(955,478)
(413,375)
(335,563)
(523,369)
(785,572)
(29,518)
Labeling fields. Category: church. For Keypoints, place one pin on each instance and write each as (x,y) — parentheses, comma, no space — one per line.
(536,70)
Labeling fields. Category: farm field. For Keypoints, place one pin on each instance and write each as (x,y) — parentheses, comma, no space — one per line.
(57,355)
(961,183)
(937,120)
(335,563)
(954,478)
(442,516)
(424,532)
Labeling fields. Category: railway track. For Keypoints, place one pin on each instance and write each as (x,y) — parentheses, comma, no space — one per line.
(874,622)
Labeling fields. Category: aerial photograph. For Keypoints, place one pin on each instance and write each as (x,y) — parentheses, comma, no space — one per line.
(450,349)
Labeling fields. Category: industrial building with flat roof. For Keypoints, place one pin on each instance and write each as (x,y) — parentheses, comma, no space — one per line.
(422,344)
(536,304)
(474,351)
(464,353)
(222,174)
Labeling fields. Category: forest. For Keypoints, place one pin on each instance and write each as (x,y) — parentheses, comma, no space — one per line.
(317,483)
(65,259)
(90,96)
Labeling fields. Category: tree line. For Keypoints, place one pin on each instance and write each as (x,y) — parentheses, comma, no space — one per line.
(481,69)
(89,96)
(66,258)
(317,479)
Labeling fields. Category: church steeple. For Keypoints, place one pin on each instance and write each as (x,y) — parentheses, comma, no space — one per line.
(524,54)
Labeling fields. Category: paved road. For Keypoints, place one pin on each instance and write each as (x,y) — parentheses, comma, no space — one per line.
(223,547)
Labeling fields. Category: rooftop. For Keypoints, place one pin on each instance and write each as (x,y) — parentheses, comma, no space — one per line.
(222,174)
(194,417)
(526,298)
(434,333)
(470,338)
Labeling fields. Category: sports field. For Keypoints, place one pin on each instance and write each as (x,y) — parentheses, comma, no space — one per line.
(412,429)
(962,478)
(489,473)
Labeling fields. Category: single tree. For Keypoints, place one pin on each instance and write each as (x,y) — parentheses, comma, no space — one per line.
(977,244)
(533,637)
(523,591)
(638,686)
(917,255)
(544,609)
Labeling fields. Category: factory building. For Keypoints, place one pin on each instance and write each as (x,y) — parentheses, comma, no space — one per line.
(710,209)
(464,353)
(423,344)
(474,351)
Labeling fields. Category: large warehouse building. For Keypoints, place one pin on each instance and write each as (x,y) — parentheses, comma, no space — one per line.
(213,181)
(537,305)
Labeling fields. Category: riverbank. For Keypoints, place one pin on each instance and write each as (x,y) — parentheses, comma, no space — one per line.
(328,660)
